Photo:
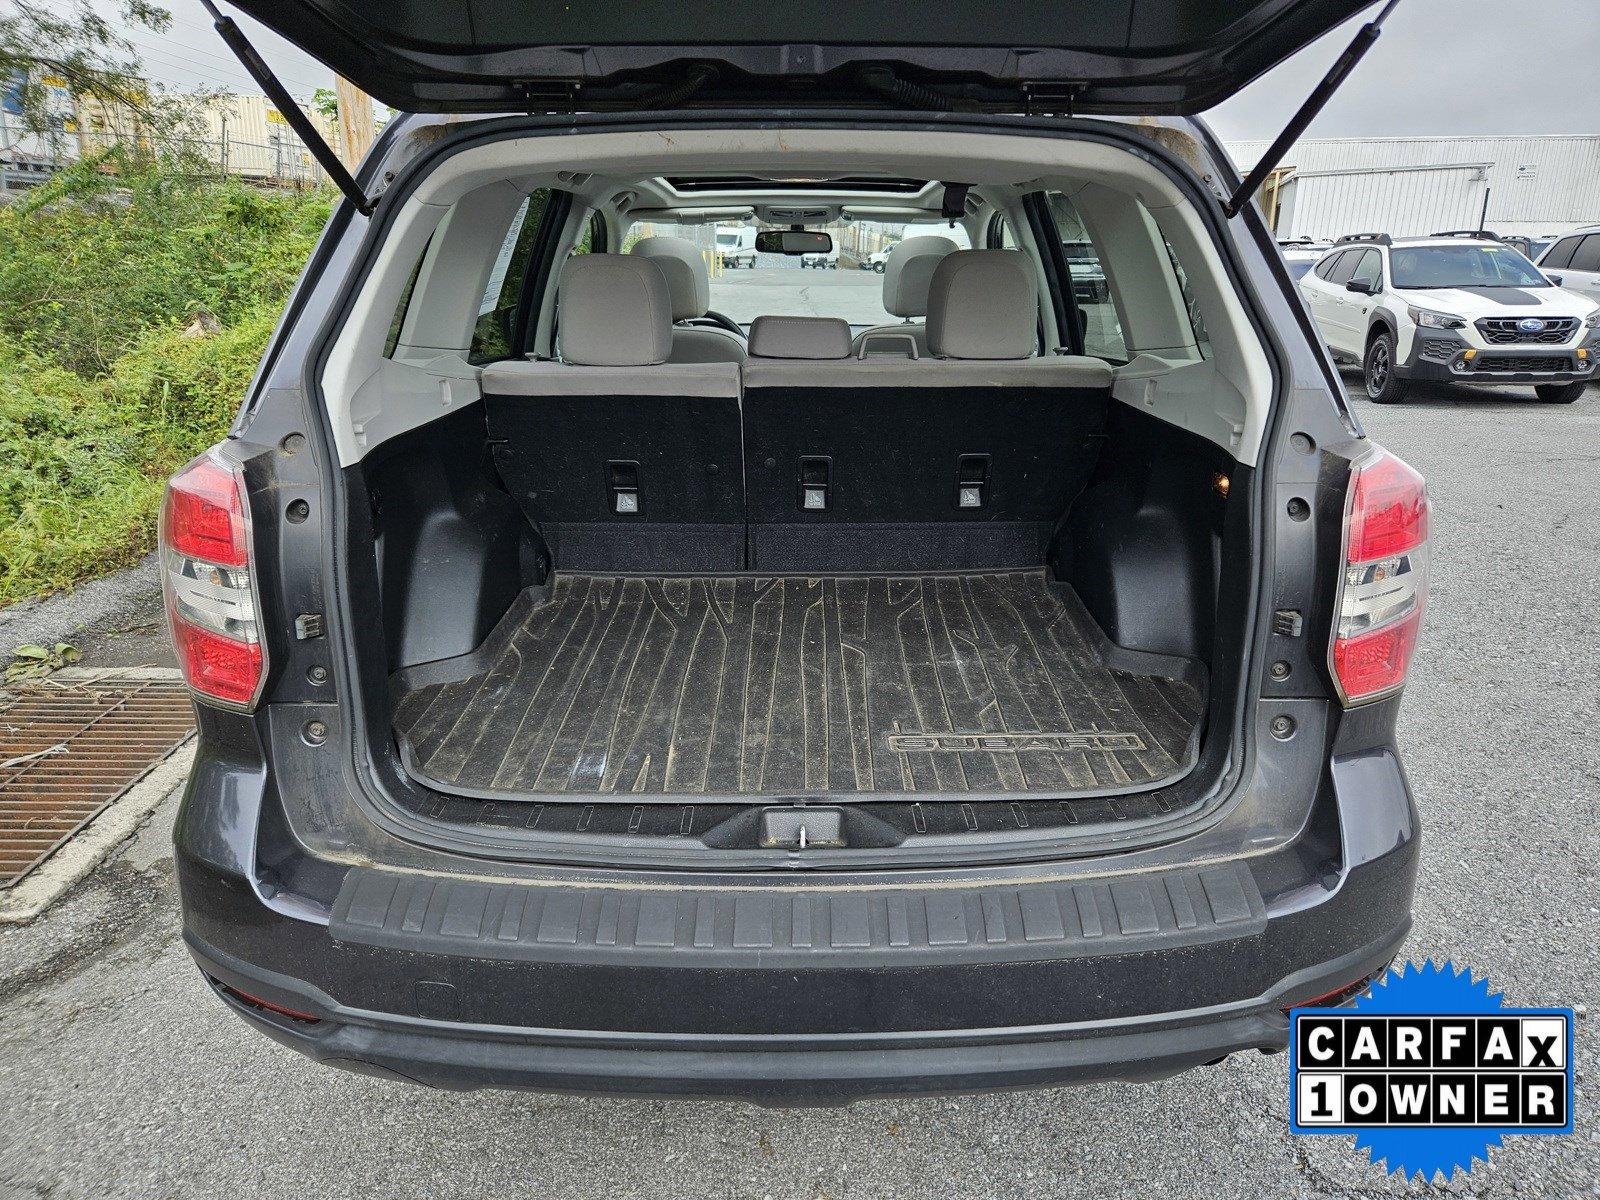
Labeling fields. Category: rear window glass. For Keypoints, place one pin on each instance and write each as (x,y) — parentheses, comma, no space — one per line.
(1091,286)
(492,334)
(847,282)
(1202,339)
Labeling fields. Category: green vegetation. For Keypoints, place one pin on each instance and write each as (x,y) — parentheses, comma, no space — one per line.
(136,304)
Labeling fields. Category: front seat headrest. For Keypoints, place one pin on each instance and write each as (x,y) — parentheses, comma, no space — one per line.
(615,311)
(983,304)
(687,277)
(908,271)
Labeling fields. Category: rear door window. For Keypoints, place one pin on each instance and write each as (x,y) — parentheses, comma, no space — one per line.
(1325,268)
(1561,253)
(1342,270)
(1587,256)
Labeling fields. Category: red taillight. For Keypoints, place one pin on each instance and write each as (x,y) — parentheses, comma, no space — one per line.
(1384,586)
(204,513)
(206,574)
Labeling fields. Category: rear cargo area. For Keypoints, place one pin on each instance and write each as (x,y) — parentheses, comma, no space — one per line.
(983,684)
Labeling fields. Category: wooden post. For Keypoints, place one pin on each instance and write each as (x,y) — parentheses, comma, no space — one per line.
(355,122)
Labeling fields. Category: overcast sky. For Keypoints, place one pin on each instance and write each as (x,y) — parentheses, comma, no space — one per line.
(1441,67)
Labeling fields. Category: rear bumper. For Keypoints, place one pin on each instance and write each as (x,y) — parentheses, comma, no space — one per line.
(986,984)
(793,1071)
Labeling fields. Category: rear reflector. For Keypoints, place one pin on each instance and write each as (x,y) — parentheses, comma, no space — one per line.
(257,1002)
(207,577)
(1385,583)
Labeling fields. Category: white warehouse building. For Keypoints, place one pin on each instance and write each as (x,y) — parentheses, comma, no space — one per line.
(1405,186)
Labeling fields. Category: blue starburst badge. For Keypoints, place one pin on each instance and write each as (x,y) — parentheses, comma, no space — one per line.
(1429,1070)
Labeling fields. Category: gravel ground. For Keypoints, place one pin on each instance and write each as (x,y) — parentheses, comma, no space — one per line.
(115,621)
(121,1076)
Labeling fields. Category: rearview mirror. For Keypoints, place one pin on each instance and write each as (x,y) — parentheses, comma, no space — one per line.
(793,241)
(1359,285)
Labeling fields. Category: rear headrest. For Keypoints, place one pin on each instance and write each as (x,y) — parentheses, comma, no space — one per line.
(983,304)
(800,337)
(908,271)
(615,311)
(687,278)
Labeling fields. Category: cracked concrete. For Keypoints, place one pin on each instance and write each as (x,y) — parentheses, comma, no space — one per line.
(121,1076)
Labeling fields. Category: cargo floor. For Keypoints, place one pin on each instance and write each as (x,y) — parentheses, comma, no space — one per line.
(968,686)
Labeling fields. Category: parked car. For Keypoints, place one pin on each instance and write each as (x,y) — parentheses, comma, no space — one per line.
(1573,262)
(877,262)
(1301,254)
(1452,308)
(578,713)
(736,245)
(827,260)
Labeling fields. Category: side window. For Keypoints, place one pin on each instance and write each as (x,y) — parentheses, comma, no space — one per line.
(392,341)
(1000,236)
(1560,254)
(1196,322)
(1369,269)
(1587,256)
(1326,264)
(492,335)
(1342,270)
(1091,287)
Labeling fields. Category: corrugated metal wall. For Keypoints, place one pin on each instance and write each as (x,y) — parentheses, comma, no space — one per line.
(1546,184)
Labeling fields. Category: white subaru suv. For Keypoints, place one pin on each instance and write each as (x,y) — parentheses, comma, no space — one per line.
(1452,308)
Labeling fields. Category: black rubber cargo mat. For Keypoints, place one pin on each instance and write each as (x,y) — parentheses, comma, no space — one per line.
(970,685)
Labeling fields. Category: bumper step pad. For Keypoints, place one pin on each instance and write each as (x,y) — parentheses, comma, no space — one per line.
(769,926)
(972,686)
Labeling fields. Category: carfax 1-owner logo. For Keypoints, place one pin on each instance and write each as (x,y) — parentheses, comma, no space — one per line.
(1429,1070)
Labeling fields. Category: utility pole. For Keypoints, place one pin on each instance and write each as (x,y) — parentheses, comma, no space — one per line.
(355,122)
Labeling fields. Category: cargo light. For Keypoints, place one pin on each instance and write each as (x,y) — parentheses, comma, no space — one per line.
(1384,587)
(209,585)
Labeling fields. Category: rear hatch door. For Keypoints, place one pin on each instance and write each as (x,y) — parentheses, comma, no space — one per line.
(1092,56)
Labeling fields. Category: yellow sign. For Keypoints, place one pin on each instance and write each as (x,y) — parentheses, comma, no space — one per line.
(274,117)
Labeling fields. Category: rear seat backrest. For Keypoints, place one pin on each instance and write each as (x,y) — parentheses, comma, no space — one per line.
(623,460)
(891,463)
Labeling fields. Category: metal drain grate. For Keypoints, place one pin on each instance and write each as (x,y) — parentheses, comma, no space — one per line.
(68,749)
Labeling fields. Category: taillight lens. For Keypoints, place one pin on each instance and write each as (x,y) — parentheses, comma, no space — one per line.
(1385,583)
(206,575)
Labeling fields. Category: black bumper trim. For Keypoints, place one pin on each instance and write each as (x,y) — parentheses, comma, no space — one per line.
(791,1071)
(805,926)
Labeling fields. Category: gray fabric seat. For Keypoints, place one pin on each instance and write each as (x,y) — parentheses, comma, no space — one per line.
(621,459)
(907,272)
(690,288)
(963,458)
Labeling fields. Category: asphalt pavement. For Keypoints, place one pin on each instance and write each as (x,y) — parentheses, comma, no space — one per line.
(121,1076)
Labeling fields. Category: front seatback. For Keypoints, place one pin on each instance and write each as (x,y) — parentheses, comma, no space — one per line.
(966,461)
(907,273)
(690,288)
(622,460)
